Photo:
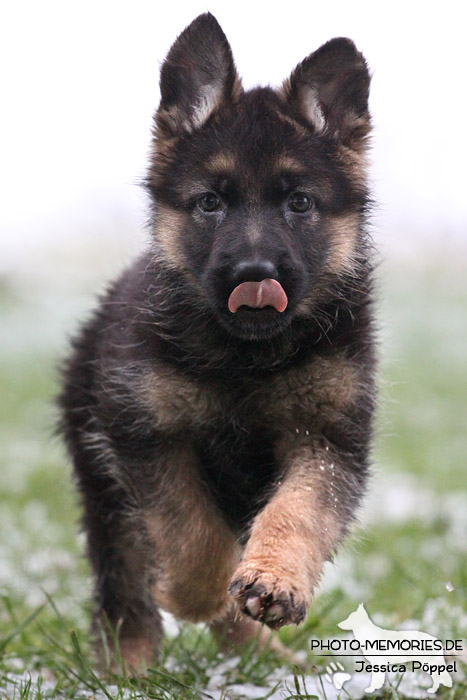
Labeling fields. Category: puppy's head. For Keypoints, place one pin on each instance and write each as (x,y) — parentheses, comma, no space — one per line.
(259,196)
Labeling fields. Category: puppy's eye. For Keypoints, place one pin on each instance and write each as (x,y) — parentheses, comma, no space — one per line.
(300,203)
(209,202)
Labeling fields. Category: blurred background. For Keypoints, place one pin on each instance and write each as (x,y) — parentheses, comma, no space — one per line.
(78,87)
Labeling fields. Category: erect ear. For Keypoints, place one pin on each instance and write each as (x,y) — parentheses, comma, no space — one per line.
(196,77)
(329,89)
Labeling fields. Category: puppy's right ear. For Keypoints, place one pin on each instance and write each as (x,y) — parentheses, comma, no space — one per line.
(197,76)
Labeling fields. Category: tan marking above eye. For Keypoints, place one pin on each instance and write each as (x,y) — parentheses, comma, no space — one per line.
(222,163)
(288,163)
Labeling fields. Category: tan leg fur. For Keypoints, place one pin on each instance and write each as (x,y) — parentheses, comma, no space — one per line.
(196,551)
(290,540)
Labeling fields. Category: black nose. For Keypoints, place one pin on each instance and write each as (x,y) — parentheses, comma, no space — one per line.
(253,271)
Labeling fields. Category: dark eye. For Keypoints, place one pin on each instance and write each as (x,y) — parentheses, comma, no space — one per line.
(209,202)
(300,203)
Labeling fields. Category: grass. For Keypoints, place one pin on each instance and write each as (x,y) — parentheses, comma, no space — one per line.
(412,542)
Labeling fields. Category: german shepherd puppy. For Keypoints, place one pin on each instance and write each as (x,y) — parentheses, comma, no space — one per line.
(217,406)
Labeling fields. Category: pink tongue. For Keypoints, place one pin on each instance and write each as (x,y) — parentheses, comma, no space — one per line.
(256,295)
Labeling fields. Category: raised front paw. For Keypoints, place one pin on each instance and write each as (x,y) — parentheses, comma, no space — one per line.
(268,598)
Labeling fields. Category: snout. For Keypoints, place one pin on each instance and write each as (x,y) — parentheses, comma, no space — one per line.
(256,286)
(253,294)
(254,270)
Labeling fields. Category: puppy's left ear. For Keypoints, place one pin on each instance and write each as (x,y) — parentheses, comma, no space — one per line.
(197,76)
(330,89)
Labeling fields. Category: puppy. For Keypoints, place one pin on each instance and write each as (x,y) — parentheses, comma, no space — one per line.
(217,406)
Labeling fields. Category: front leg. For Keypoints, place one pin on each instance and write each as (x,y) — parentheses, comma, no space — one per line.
(295,533)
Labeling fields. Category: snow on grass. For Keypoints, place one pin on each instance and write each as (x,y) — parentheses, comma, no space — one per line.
(408,557)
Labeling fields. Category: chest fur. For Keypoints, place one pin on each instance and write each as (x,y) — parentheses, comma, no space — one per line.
(294,398)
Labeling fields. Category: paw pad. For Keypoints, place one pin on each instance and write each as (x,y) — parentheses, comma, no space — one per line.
(267,602)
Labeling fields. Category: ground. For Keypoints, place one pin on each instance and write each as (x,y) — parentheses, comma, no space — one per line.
(406,561)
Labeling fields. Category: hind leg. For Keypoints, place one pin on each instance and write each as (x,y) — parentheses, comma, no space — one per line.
(236,630)
(126,622)
(125,612)
(155,538)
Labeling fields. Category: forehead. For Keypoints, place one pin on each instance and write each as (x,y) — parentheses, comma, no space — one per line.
(254,141)
(256,131)
(231,161)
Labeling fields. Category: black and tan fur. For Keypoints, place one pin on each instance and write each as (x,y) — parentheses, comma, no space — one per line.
(221,456)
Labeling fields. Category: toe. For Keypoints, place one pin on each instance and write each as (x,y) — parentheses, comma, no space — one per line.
(253,606)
